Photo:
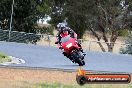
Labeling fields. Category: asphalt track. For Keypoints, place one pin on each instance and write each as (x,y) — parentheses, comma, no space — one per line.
(51,57)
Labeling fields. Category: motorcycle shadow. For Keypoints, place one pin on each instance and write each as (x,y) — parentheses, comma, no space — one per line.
(69,65)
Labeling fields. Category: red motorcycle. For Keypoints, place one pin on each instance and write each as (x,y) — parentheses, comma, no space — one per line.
(71,49)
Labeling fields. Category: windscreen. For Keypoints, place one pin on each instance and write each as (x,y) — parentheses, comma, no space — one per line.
(65,39)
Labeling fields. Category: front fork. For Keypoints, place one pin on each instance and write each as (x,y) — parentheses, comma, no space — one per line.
(68,56)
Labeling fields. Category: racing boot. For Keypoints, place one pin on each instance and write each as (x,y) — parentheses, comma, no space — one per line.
(60,46)
(56,42)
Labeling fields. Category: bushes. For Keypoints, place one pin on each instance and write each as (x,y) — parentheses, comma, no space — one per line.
(45,30)
(4,58)
(128,47)
(123,32)
(20,37)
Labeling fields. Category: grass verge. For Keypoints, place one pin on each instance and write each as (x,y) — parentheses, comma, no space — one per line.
(58,85)
(4,58)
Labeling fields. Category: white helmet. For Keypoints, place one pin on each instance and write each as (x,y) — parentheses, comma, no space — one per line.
(61,25)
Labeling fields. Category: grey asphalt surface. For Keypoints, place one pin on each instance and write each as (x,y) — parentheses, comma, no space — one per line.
(51,57)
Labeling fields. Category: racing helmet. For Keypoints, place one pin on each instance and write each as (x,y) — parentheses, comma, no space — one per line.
(60,26)
(65,31)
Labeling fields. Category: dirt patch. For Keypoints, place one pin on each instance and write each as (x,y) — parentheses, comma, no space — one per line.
(27,78)
(12,76)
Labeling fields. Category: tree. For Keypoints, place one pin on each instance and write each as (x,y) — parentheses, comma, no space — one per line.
(76,12)
(99,16)
(63,10)
(128,48)
(5,6)
(57,15)
(111,18)
(107,21)
(26,13)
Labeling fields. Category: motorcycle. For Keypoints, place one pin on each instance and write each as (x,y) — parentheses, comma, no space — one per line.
(71,49)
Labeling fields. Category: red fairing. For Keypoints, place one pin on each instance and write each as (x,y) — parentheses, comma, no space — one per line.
(69,44)
(71,48)
(64,34)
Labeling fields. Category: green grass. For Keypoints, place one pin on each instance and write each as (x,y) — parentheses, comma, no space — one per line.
(57,85)
(4,58)
(26,84)
(47,85)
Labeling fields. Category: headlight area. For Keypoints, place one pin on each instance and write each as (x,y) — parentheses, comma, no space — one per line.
(69,45)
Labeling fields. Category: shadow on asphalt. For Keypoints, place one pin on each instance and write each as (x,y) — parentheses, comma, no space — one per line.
(68,65)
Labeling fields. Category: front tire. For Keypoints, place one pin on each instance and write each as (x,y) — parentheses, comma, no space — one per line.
(77,58)
(83,62)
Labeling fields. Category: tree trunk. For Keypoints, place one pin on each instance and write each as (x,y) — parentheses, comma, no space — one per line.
(112,41)
(101,46)
(110,48)
(98,38)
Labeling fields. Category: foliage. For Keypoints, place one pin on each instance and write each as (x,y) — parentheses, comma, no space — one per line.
(57,15)
(104,16)
(50,30)
(4,58)
(5,6)
(68,10)
(45,30)
(54,85)
(128,48)
(123,33)
(25,16)
(59,85)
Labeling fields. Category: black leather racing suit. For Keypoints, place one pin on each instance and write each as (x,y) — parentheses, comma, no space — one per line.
(70,32)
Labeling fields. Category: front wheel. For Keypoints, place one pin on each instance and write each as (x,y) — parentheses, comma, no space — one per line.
(83,62)
(78,59)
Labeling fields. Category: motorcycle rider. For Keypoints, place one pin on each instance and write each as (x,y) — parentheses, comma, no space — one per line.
(62,29)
